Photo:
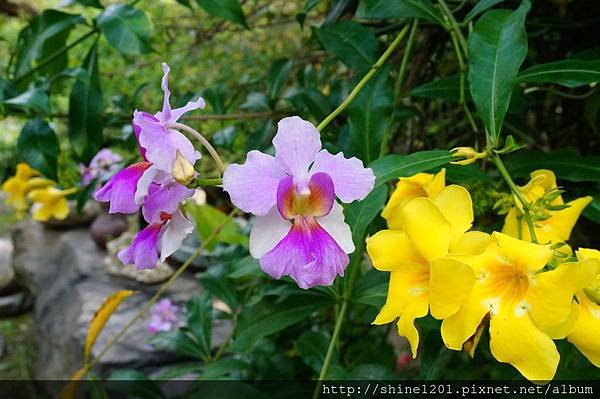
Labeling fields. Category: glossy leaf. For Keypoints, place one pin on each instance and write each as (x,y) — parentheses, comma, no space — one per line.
(447,89)
(207,218)
(222,367)
(497,48)
(592,211)
(301,16)
(126,28)
(219,288)
(87,3)
(231,10)
(355,45)
(312,347)
(35,99)
(369,116)
(39,147)
(199,320)
(371,289)
(394,166)
(481,6)
(569,73)
(384,9)
(360,214)
(566,164)
(85,110)
(45,34)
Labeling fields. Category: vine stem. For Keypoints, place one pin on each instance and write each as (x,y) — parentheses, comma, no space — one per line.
(213,153)
(454,26)
(398,86)
(364,80)
(517,193)
(158,294)
(210,182)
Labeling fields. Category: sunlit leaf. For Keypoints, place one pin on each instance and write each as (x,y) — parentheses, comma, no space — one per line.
(39,147)
(231,10)
(127,29)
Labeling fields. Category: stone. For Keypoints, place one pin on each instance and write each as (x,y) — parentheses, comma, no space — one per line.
(15,303)
(107,227)
(7,274)
(76,219)
(66,271)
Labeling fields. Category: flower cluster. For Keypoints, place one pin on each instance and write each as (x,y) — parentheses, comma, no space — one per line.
(469,278)
(300,230)
(152,184)
(28,189)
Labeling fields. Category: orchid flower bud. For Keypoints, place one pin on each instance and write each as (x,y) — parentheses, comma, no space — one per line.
(183,171)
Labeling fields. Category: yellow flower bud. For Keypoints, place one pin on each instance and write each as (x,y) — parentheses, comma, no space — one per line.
(469,154)
(183,171)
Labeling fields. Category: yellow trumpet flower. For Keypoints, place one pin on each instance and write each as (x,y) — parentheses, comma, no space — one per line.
(408,188)
(50,202)
(523,302)
(20,184)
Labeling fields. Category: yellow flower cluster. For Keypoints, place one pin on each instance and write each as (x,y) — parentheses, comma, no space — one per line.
(27,186)
(470,278)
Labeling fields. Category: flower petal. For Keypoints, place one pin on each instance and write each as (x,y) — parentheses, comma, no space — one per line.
(564,220)
(352,181)
(392,250)
(296,143)
(455,204)
(164,199)
(531,257)
(515,339)
(335,225)
(168,115)
(427,228)
(142,252)
(471,243)
(406,324)
(459,327)
(120,189)
(316,201)
(267,232)
(143,185)
(450,285)
(172,235)
(551,296)
(585,333)
(252,186)
(307,254)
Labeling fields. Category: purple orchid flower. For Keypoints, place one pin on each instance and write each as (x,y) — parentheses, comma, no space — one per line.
(103,166)
(164,316)
(299,230)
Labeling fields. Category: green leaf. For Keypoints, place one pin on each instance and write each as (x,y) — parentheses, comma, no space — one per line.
(370,116)
(355,45)
(359,214)
(87,3)
(134,383)
(222,367)
(311,101)
(35,99)
(267,318)
(569,73)
(481,6)
(567,164)
(231,10)
(447,89)
(277,77)
(126,28)
(384,9)
(312,347)
(497,48)
(45,34)
(372,372)
(39,147)
(394,166)
(180,342)
(301,16)
(592,211)
(199,319)
(86,106)
(371,289)
(245,267)
(208,218)
(219,288)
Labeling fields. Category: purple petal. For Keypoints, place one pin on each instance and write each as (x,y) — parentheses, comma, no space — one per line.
(168,115)
(296,143)
(352,181)
(164,84)
(173,234)
(252,186)
(267,231)
(164,199)
(138,117)
(312,199)
(307,254)
(120,189)
(142,252)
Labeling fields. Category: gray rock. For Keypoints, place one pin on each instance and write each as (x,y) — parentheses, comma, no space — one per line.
(7,274)
(14,303)
(66,271)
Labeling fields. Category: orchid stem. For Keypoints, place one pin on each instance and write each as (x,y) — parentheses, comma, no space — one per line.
(209,182)
(364,80)
(213,153)
(517,193)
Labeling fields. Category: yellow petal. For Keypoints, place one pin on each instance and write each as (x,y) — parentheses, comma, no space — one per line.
(391,250)
(551,296)
(471,243)
(24,171)
(437,184)
(564,220)
(511,226)
(406,324)
(529,256)
(450,285)
(403,289)
(427,228)
(459,327)
(587,253)
(561,330)
(585,333)
(455,204)
(515,339)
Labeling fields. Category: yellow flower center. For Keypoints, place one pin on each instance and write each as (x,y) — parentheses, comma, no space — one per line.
(508,282)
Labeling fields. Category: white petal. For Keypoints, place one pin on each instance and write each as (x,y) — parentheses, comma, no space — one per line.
(267,231)
(172,235)
(144,184)
(337,228)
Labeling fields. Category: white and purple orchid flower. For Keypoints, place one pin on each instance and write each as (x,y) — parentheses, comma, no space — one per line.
(300,229)
(150,184)
(163,317)
(102,166)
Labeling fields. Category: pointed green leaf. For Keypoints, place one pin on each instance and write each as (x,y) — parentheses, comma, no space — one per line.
(39,147)
(394,166)
(231,10)
(355,45)
(481,6)
(126,28)
(384,9)
(569,73)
